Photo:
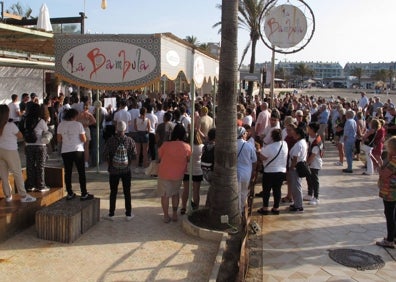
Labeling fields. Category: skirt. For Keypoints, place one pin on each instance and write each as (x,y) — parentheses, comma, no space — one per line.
(168,188)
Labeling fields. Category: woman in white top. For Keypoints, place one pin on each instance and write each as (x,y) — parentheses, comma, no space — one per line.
(9,157)
(71,134)
(274,158)
(36,153)
(197,175)
(297,154)
(142,127)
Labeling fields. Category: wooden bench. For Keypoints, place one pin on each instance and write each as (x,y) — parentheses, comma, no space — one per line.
(65,220)
(16,216)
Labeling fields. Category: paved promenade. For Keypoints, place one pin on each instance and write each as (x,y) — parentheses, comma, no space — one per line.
(143,249)
(290,247)
(294,247)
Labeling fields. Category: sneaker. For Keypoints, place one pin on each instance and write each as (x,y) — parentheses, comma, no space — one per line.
(31,189)
(86,197)
(129,217)
(294,209)
(70,196)
(385,243)
(338,163)
(8,199)
(347,170)
(307,198)
(44,189)
(314,202)
(28,199)
(109,217)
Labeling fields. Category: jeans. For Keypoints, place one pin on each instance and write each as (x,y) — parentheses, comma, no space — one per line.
(114,179)
(68,160)
(348,148)
(390,215)
(313,183)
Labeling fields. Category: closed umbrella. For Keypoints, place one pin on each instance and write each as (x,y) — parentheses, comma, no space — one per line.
(43,21)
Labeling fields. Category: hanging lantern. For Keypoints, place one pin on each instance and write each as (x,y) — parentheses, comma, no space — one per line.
(104,4)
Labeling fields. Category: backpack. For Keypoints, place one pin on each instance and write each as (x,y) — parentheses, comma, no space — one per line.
(207,161)
(317,142)
(120,158)
(28,130)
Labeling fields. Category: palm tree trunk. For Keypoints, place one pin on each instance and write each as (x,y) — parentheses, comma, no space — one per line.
(251,67)
(224,190)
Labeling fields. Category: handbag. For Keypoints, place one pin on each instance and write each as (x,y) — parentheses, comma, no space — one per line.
(152,169)
(370,140)
(46,137)
(303,169)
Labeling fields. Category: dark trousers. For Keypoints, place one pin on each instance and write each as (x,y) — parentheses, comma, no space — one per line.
(35,162)
(68,160)
(272,180)
(114,179)
(390,215)
(313,183)
(151,146)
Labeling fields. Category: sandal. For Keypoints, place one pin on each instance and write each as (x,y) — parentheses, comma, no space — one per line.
(263,211)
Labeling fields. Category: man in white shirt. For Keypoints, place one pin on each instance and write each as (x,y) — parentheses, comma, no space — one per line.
(273,124)
(123,115)
(15,113)
(363,101)
(263,120)
(153,125)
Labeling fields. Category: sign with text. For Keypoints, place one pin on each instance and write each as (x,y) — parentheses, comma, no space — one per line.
(285,26)
(108,61)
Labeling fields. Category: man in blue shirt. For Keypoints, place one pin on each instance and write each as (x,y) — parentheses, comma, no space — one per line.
(349,139)
(323,118)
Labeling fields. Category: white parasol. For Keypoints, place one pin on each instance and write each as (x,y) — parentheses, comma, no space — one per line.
(43,21)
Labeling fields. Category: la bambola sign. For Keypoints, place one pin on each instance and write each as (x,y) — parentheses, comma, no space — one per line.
(103,61)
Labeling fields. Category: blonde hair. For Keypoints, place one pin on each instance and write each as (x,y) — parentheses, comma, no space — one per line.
(391,144)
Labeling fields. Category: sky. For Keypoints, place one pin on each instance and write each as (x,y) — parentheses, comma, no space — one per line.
(345,30)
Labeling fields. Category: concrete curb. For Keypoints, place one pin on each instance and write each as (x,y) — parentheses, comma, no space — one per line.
(212,235)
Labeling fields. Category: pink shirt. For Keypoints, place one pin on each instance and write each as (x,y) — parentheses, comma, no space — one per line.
(173,159)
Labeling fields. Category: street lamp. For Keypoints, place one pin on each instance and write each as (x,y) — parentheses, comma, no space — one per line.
(104,4)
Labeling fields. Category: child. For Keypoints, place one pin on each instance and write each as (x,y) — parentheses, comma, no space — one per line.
(387,186)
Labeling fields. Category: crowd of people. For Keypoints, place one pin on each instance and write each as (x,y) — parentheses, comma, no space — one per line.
(276,138)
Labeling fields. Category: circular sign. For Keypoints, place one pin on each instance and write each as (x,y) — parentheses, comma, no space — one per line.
(285,26)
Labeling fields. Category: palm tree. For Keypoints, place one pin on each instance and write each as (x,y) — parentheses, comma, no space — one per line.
(380,75)
(192,40)
(18,9)
(223,197)
(249,19)
(204,47)
(358,72)
(391,76)
(303,70)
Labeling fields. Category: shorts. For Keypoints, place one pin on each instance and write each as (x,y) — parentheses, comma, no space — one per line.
(195,178)
(87,133)
(141,137)
(168,187)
